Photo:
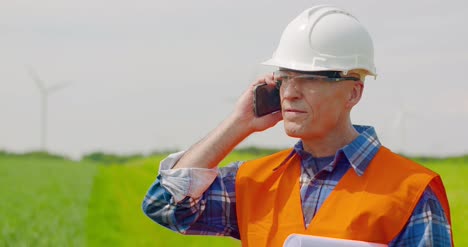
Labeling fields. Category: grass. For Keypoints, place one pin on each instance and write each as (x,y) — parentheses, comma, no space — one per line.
(43,201)
(48,201)
(454,174)
(115,208)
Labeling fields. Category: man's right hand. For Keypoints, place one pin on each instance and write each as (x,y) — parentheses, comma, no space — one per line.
(212,149)
(244,114)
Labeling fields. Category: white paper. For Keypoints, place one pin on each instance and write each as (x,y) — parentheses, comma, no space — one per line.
(300,240)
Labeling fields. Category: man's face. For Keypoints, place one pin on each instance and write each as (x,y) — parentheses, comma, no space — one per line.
(317,108)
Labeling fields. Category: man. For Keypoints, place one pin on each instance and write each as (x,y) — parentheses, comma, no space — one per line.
(338,181)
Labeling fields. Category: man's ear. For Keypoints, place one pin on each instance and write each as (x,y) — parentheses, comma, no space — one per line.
(355,94)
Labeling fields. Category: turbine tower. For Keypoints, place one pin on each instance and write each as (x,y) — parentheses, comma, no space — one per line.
(45,92)
(399,126)
(402,127)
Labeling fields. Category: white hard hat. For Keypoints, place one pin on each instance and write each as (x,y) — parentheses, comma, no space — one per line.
(325,38)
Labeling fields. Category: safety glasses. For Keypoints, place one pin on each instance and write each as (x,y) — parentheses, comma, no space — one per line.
(282,77)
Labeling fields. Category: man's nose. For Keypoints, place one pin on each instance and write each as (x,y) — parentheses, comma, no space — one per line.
(290,90)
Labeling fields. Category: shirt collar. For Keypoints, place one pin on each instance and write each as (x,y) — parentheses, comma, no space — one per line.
(358,153)
(363,149)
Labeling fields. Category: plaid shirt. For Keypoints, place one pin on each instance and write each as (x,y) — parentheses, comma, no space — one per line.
(214,213)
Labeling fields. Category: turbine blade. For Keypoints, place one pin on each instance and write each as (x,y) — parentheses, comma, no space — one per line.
(35,77)
(59,86)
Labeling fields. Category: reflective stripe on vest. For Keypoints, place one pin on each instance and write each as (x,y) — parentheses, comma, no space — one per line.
(373,207)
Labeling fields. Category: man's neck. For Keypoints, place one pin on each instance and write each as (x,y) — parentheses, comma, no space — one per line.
(328,145)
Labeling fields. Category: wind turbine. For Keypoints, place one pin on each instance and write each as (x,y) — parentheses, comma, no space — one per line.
(45,92)
(399,126)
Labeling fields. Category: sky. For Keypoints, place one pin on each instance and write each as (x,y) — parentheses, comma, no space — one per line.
(156,75)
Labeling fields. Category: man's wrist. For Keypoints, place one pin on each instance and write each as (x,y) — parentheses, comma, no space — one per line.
(238,127)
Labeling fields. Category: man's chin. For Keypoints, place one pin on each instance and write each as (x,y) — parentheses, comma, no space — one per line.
(293,132)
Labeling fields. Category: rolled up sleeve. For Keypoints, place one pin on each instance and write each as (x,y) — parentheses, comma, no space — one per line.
(184,182)
(179,199)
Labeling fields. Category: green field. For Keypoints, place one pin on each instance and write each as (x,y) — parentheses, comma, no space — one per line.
(44,201)
(49,201)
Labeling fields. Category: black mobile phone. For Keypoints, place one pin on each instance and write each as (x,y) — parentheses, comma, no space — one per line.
(266,100)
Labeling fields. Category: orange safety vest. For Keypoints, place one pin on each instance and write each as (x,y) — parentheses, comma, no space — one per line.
(374,207)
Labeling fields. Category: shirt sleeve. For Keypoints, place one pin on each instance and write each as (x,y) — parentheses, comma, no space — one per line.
(184,182)
(428,225)
(181,207)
